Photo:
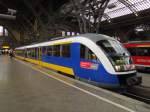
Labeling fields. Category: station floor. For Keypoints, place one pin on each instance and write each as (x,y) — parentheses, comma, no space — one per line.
(25,87)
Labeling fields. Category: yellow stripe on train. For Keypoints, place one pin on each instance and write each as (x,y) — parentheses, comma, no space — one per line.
(59,68)
(48,65)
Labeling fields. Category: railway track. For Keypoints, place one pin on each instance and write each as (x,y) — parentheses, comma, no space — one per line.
(141,93)
(137,97)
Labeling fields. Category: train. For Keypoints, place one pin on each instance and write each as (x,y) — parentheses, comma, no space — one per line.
(140,53)
(95,58)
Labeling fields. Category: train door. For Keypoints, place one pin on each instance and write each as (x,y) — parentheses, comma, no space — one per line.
(88,64)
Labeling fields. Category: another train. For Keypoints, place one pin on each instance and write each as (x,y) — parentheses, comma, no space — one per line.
(95,58)
(140,52)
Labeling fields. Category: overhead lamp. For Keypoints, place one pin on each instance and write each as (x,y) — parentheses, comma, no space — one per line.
(6,16)
(5,47)
(7,13)
(136,14)
(109,21)
(12,11)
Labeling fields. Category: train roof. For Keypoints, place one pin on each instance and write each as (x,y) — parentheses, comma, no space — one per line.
(92,36)
(96,37)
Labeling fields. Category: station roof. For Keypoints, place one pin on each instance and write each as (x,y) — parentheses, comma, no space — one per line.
(51,15)
(117,8)
(28,10)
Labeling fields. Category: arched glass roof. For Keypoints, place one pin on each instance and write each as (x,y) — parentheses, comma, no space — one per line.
(117,8)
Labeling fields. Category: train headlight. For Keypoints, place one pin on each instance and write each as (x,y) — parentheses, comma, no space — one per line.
(133,66)
(118,68)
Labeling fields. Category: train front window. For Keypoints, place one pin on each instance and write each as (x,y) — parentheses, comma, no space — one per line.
(112,47)
(118,56)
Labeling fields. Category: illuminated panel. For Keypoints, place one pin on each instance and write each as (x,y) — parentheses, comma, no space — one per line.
(5,47)
(1,30)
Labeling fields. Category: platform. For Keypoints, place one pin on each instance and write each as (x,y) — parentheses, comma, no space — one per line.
(29,88)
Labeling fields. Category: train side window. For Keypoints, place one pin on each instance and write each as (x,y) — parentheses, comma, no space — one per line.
(140,51)
(20,52)
(86,53)
(26,55)
(33,53)
(30,53)
(65,51)
(146,51)
(49,50)
(44,50)
(132,51)
(82,51)
(56,50)
(149,51)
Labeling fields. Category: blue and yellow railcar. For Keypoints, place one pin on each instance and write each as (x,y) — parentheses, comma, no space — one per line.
(95,58)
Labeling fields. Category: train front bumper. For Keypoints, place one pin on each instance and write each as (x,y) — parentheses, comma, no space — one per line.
(129,79)
(136,80)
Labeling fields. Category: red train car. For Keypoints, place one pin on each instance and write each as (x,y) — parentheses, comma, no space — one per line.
(140,52)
